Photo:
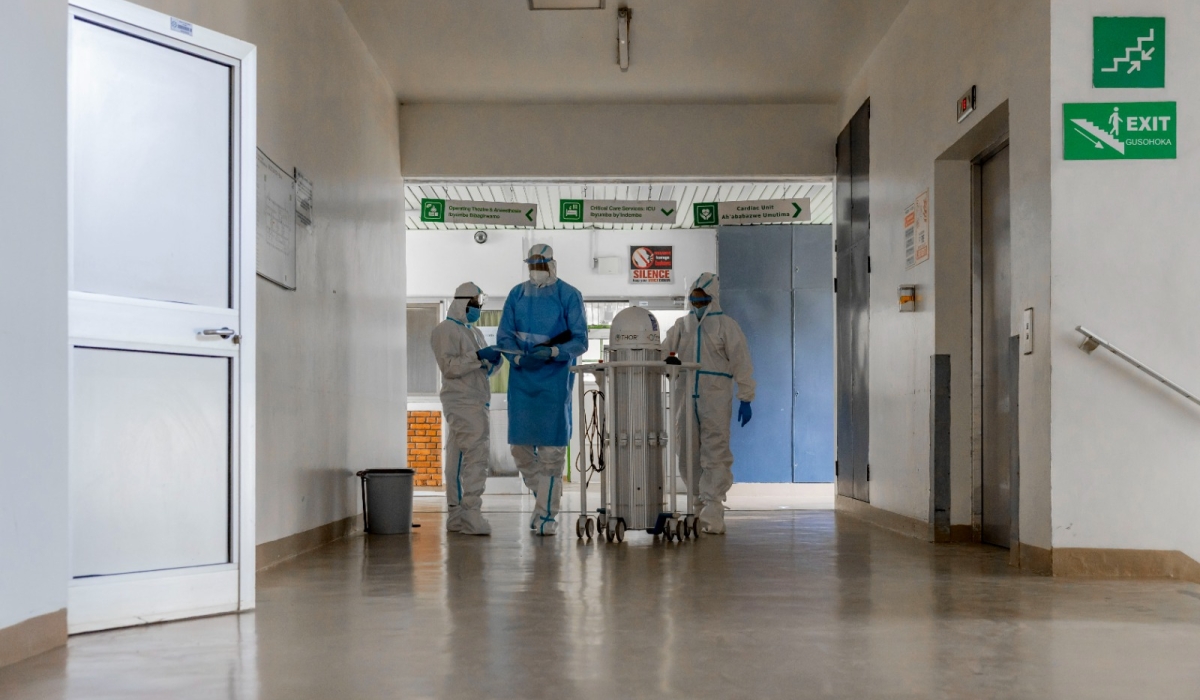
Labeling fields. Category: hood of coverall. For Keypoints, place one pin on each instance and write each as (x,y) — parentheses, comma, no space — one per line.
(710,283)
(542,250)
(458,308)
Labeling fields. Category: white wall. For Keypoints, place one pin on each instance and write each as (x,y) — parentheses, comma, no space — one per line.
(441,260)
(331,363)
(33,310)
(1126,450)
(594,140)
(934,51)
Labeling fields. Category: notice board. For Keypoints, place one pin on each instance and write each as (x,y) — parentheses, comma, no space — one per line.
(276,223)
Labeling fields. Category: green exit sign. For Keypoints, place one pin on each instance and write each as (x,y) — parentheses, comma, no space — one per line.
(1119,131)
(1129,52)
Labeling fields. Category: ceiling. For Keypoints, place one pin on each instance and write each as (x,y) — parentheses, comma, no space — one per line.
(693,51)
(547,194)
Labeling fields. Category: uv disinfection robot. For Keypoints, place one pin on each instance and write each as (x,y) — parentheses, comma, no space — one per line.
(626,436)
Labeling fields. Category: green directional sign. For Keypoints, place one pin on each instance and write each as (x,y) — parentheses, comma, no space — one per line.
(570,211)
(751,212)
(1119,131)
(1129,52)
(705,213)
(433,210)
(453,211)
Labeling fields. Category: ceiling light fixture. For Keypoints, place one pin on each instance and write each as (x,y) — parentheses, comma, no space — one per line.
(624,14)
(566,4)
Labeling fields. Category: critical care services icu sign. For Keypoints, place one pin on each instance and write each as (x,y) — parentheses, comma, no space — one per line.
(650,264)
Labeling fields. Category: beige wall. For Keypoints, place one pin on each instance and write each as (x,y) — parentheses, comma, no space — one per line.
(589,140)
(331,362)
(1126,449)
(935,51)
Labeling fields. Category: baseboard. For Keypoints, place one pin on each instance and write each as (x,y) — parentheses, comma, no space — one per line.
(1035,560)
(33,636)
(1080,562)
(902,524)
(269,554)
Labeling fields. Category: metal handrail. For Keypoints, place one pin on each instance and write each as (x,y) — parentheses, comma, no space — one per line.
(1091,341)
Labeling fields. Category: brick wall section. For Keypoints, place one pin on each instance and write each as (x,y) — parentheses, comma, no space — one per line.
(425,446)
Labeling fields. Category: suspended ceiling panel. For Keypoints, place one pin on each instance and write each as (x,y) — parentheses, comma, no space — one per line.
(547,195)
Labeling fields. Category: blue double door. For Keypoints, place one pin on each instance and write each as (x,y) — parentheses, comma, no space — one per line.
(777,283)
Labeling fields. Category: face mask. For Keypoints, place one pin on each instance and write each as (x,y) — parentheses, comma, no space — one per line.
(539,277)
(472,314)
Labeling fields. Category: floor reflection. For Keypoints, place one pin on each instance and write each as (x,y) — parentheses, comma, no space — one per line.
(788,604)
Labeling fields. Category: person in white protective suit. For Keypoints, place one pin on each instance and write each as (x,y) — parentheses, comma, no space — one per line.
(708,337)
(542,331)
(465,362)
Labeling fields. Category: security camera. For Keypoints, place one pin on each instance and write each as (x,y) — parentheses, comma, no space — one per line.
(481,237)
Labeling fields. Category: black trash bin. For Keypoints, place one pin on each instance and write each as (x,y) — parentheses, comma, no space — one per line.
(387,500)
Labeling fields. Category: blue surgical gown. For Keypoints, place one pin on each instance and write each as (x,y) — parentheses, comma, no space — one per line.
(539,400)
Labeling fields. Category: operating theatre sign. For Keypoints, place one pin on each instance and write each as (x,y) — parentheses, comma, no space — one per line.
(452,211)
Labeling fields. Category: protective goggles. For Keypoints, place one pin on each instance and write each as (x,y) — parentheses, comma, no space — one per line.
(477,301)
(538,260)
(704,300)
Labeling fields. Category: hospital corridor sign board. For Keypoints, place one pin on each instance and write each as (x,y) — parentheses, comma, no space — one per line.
(650,264)
(1119,131)
(754,211)
(453,211)
(617,211)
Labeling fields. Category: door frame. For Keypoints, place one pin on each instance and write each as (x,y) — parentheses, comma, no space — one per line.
(206,588)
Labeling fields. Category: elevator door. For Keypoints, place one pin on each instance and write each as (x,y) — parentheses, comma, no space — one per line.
(853,316)
(996,303)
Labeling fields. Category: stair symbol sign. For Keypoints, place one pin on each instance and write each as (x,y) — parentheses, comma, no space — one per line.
(1097,135)
(1134,65)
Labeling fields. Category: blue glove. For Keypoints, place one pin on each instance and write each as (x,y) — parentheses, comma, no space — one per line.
(541,352)
(744,413)
(530,362)
(489,354)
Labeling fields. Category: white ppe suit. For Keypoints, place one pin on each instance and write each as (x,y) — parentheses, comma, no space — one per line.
(465,395)
(715,341)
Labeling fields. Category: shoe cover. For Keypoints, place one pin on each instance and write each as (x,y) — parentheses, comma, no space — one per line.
(472,522)
(550,527)
(712,519)
(454,520)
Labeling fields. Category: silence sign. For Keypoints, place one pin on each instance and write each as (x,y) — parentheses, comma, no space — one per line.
(650,264)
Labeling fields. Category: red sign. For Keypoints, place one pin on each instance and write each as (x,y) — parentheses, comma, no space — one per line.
(650,264)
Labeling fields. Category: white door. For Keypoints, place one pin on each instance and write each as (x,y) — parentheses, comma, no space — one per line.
(158,314)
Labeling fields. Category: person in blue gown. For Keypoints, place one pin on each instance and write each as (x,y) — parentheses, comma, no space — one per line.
(543,330)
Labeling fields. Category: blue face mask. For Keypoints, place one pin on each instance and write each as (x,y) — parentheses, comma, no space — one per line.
(472,314)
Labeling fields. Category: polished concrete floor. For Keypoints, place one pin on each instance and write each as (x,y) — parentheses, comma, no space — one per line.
(790,604)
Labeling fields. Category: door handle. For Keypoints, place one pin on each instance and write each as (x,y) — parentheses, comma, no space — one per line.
(225,333)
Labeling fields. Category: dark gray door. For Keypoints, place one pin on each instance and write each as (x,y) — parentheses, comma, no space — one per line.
(755,264)
(853,305)
(812,355)
(996,306)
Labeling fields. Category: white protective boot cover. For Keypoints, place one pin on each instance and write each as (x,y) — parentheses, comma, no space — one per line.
(712,518)
(472,522)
